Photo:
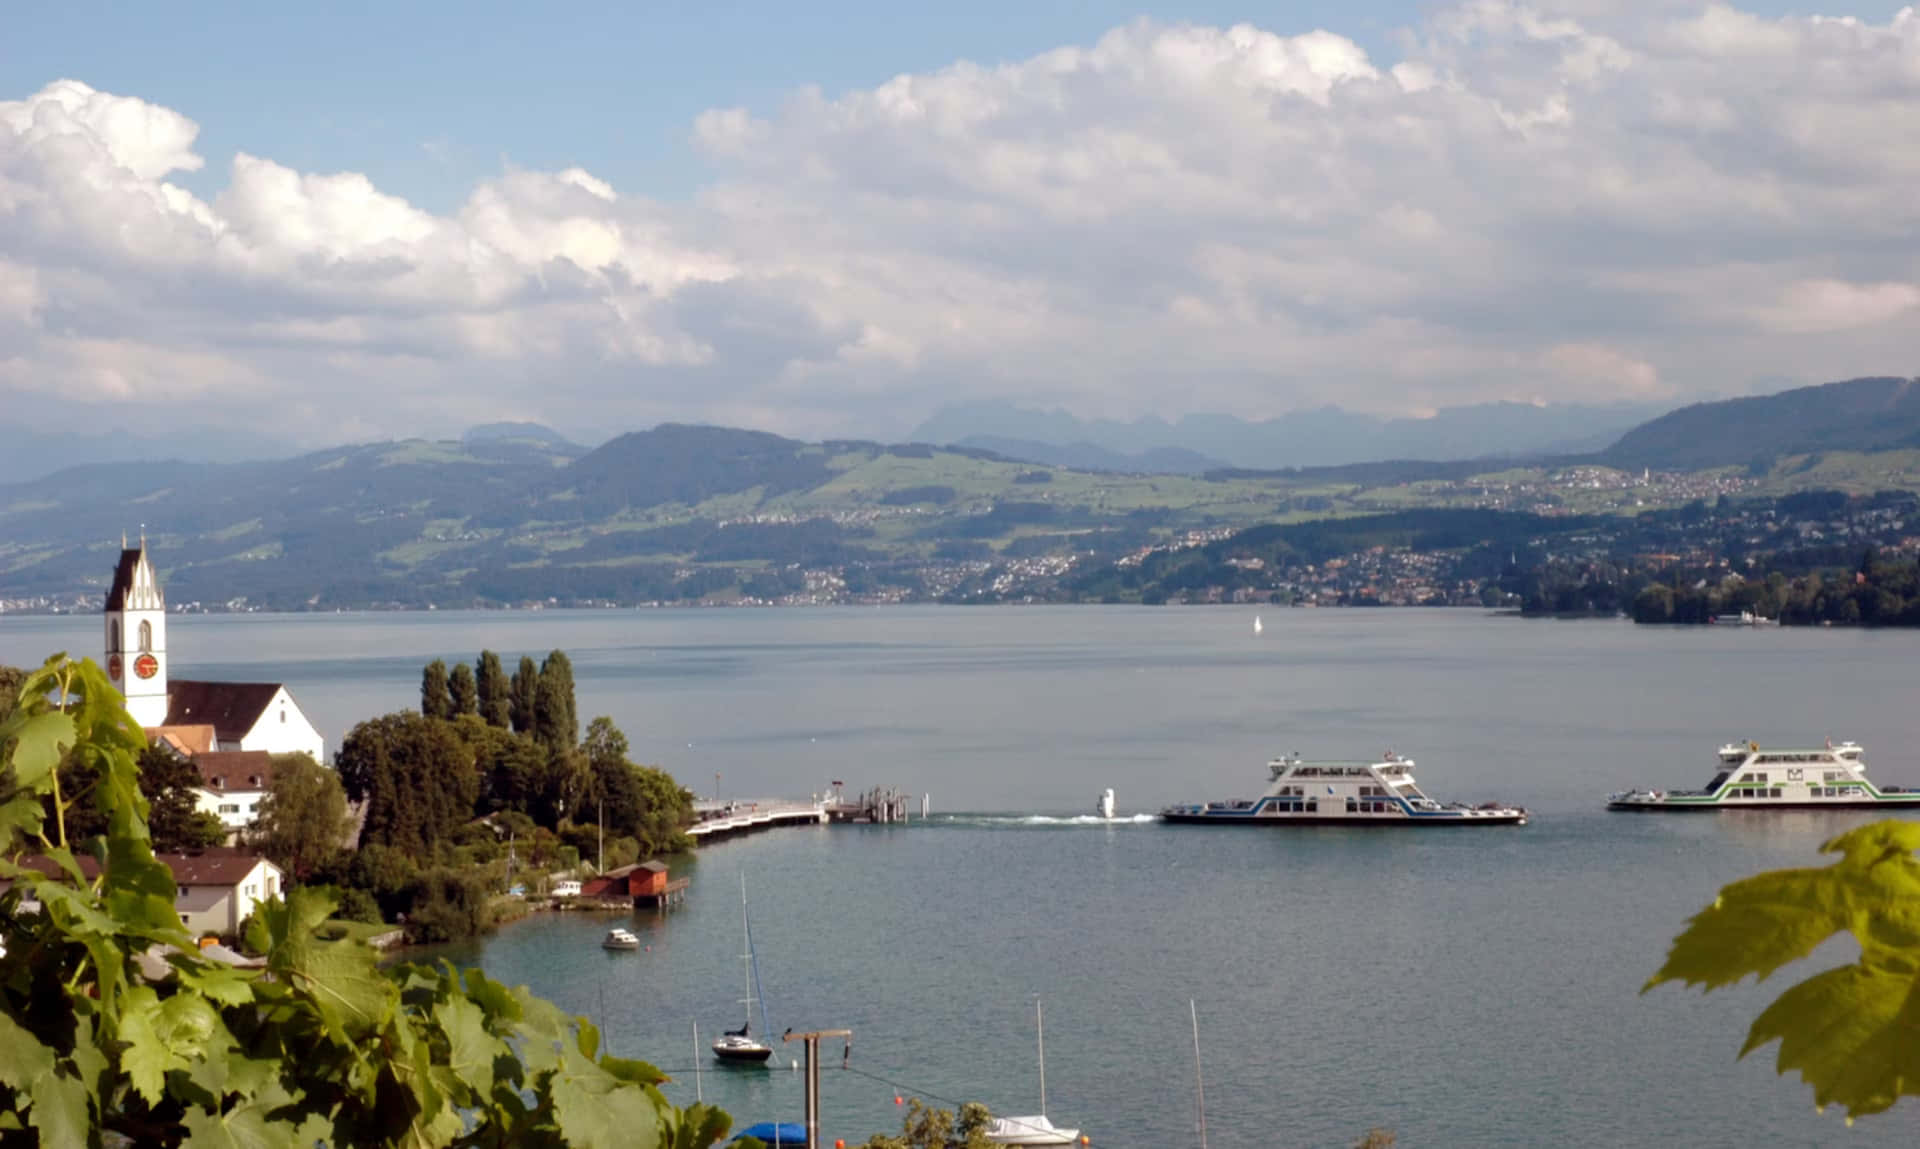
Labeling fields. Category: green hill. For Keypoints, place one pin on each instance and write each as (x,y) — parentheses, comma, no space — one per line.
(1877,414)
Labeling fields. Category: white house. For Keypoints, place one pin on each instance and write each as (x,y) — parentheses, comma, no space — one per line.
(232,785)
(217,890)
(243,715)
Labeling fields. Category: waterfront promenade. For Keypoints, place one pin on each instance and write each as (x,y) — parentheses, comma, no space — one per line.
(723,819)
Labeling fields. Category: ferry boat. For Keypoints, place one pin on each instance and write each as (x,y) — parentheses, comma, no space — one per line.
(1381,793)
(1752,777)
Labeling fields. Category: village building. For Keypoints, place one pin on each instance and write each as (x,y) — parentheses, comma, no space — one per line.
(192,717)
(233,783)
(215,890)
(644,884)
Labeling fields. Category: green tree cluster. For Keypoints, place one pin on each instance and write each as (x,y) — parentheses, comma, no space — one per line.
(925,1127)
(447,795)
(303,822)
(323,1046)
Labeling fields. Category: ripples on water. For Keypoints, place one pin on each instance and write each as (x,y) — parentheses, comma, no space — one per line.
(1466,988)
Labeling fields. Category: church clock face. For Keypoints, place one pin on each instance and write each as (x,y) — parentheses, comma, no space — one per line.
(146,666)
(114,666)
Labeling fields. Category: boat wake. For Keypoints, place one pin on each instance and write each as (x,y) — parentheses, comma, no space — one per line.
(1039,821)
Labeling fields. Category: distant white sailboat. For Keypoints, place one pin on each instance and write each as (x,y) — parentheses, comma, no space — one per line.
(1035,1130)
(1257,628)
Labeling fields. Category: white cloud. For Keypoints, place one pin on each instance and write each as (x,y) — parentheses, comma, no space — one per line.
(1571,200)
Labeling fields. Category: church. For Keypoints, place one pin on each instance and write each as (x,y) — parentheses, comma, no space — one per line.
(191,717)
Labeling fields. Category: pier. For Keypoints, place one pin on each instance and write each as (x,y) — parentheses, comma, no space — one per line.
(721,819)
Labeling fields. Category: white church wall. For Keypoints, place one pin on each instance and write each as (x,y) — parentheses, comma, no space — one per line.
(283,729)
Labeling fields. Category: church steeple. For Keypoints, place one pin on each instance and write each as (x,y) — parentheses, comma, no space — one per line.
(137,636)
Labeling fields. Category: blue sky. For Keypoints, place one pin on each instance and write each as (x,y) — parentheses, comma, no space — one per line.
(1435,203)
(427,98)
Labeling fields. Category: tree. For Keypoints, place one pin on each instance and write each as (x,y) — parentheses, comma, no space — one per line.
(1848,1030)
(511,768)
(526,685)
(463,693)
(10,679)
(416,777)
(172,788)
(303,821)
(553,715)
(320,1046)
(435,700)
(495,691)
(925,1127)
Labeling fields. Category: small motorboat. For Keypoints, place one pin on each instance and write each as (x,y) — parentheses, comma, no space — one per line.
(620,939)
(1104,807)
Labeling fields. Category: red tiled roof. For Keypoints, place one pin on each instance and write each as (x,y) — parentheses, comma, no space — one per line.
(230,770)
(233,708)
(217,866)
(187,740)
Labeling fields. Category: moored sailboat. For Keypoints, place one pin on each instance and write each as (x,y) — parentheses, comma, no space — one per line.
(1033,1130)
(739,1045)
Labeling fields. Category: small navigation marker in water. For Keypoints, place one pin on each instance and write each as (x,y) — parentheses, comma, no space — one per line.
(1257,628)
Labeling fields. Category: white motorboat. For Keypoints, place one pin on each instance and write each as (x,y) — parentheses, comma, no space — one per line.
(1753,777)
(1381,793)
(1105,806)
(620,939)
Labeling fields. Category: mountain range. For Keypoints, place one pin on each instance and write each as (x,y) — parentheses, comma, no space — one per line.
(515,513)
(1324,437)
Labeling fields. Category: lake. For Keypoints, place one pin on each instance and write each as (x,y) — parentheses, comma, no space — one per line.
(1476,987)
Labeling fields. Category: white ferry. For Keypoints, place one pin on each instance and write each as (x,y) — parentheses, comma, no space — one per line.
(1750,777)
(1379,793)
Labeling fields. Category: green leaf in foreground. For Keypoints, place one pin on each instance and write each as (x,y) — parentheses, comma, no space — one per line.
(1852,1033)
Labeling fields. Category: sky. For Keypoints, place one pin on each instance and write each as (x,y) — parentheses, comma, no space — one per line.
(327,222)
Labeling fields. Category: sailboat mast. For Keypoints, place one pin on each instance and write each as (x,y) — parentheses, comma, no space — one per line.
(1199,1081)
(1040,1029)
(746,959)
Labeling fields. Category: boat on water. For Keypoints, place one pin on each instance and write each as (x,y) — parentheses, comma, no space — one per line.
(1753,777)
(619,939)
(1104,807)
(740,1045)
(1382,793)
(1033,1130)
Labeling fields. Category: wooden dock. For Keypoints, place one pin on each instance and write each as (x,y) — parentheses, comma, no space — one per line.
(724,820)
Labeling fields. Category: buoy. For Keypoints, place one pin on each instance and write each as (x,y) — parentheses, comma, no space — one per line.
(897,1100)
(839,1145)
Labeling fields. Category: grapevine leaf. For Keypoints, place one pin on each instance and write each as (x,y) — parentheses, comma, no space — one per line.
(1849,1033)
(1761,923)
(22,1057)
(598,1111)
(39,740)
(145,1059)
(60,1110)
(247,1126)
(637,1072)
(471,1049)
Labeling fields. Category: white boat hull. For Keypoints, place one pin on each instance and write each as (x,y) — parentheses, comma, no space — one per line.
(1029,1131)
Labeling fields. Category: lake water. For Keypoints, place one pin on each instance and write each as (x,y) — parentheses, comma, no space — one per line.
(1463,989)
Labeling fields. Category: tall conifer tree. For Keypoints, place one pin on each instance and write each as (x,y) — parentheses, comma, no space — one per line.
(435,700)
(496,693)
(526,684)
(463,690)
(553,715)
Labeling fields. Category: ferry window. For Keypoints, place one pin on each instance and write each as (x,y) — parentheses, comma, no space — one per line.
(1718,781)
(1313,805)
(1350,805)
